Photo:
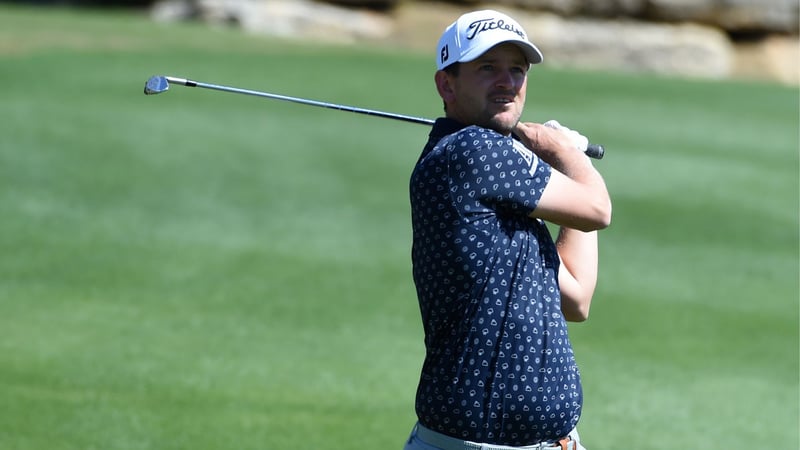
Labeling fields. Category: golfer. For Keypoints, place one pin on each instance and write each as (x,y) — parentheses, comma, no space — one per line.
(495,290)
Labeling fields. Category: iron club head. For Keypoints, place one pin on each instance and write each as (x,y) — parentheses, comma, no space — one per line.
(156,85)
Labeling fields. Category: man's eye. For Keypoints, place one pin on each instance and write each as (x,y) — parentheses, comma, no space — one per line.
(487,67)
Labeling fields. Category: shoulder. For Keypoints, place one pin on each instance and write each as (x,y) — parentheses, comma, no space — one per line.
(473,140)
(490,145)
(477,137)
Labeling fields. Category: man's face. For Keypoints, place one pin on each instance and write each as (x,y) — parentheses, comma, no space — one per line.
(489,91)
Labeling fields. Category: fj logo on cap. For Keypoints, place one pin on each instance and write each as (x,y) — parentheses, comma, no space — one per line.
(445,53)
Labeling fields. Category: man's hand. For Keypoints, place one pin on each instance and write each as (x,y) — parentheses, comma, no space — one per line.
(576,195)
(580,141)
(555,144)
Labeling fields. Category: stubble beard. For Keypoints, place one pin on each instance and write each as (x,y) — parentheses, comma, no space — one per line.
(503,122)
(490,116)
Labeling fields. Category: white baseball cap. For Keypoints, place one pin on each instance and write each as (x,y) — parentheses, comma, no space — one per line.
(474,33)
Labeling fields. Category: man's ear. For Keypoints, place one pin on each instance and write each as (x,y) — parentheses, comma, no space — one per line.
(444,84)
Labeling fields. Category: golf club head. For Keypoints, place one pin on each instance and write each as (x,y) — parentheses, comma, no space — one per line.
(156,85)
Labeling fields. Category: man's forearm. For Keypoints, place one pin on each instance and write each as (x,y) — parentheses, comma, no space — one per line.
(579,256)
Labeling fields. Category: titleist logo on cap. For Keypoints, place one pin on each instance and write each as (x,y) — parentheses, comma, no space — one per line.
(479,26)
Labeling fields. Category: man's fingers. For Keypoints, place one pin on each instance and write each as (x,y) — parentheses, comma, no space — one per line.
(553,124)
(579,141)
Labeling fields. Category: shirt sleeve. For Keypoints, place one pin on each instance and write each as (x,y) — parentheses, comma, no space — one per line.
(491,173)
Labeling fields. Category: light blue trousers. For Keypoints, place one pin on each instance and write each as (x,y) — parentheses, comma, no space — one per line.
(414,442)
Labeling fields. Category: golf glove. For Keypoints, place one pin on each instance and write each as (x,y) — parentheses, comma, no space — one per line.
(580,141)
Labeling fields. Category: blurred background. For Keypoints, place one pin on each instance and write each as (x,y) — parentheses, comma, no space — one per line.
(753,39)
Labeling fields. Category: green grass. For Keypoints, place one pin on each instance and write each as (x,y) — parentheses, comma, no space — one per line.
(202,270)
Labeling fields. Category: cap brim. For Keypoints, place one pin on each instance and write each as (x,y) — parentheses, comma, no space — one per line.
(532,54)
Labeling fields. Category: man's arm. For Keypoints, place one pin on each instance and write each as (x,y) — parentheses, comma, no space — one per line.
(576,195)
(577,276)
(576,198)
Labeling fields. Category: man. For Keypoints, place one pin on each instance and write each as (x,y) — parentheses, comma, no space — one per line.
(494,289)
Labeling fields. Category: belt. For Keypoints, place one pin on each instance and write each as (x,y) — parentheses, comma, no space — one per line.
(449,443)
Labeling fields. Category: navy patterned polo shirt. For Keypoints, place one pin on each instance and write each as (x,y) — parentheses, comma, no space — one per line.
(499,367)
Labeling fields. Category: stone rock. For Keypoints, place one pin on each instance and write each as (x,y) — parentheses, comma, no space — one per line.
(762,16)
(285,18)
(772,58)
(731,15)
(560,7)
(688,49)
(173,11)
(680,48)
(380,5)
(419,25)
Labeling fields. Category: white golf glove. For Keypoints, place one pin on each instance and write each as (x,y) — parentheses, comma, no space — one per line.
(580,141)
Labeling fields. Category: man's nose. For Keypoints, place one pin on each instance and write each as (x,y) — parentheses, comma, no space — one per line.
(505,79)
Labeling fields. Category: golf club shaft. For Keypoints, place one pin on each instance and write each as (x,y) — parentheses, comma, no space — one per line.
(593,150)
(370,112)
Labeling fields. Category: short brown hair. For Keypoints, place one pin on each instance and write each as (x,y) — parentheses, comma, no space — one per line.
(453,70)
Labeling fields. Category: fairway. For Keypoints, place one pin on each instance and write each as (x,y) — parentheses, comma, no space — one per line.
(201,270)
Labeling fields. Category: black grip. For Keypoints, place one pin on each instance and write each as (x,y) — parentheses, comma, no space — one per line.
(595,151)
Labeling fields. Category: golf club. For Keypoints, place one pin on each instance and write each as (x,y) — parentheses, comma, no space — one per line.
(158,84)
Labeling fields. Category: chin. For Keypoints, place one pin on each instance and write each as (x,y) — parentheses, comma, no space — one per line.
(502,125)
